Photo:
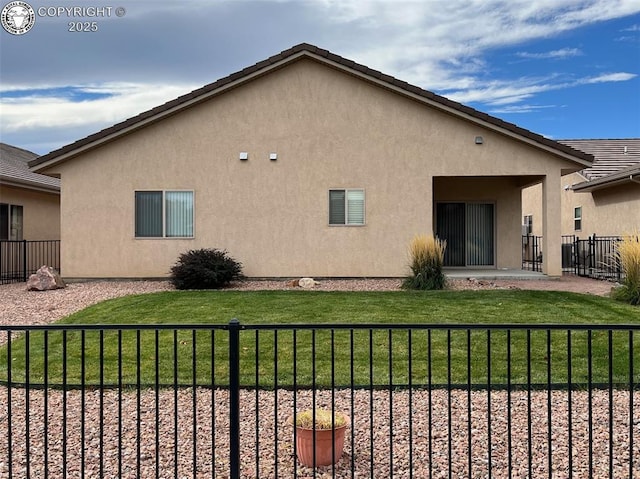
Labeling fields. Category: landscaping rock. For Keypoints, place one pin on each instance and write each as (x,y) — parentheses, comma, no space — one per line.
(307,283)
(45,279)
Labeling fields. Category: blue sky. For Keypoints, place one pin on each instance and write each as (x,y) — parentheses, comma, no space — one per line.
(563,68)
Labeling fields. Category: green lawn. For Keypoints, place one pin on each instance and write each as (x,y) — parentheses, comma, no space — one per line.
(434,359)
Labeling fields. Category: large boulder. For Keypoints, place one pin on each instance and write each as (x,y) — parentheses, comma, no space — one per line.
(45,279)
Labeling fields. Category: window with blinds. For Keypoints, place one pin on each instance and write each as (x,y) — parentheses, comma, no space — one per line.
(346,207)
(164,214)
(11,222)
(528,225)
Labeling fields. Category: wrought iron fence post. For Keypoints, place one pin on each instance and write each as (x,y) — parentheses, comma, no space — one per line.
(234,399)
(576,255)
(618,264)
(24,261)
(592,254)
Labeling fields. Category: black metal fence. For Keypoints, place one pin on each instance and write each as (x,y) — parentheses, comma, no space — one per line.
(593,257)
(219,401)
(568,254)
(20,259)
(532,253)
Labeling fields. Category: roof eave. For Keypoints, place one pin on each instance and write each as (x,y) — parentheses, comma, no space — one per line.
(608,181)
(31,185)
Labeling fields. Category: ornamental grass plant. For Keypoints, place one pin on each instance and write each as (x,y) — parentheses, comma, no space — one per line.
(324,419)
(427,261)
(628,255)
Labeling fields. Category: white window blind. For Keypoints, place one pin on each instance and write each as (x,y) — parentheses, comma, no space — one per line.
(355,207)
(179,214)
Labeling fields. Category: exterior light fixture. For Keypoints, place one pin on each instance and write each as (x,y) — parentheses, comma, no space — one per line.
(244,155)
(479,140)
(273,156)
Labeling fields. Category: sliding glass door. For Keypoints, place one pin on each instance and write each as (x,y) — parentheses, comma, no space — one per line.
(468,229)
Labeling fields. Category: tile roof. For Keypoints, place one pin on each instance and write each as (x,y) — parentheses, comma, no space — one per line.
(304,50)
(624,176)
(14,170)
(610,156)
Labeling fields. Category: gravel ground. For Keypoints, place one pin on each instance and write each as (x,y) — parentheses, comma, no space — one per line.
(119,437)
(117,433)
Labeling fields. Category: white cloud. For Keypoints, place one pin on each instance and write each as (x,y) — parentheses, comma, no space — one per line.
(609,77)
(501,92)
(507,92)
(520,109)
(441,45)
(125,100)
(554,54)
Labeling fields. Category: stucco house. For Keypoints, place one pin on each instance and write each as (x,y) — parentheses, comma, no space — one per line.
(602,199)
(29,202)
(304,164)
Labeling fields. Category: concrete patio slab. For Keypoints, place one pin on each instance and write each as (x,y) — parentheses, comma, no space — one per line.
(496,274)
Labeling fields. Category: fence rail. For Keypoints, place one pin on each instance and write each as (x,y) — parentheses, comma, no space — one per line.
(20,259)
(219,400)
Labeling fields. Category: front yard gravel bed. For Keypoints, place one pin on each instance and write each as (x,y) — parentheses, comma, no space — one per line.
(120,436)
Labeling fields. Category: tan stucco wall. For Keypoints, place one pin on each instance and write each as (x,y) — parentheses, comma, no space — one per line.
(614,211)
(532,205)
(329,130)
(41,211)
(611,211)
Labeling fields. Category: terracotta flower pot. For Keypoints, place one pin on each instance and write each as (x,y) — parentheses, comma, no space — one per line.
(324,445)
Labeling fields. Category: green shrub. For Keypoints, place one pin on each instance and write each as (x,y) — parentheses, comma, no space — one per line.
(427,260)
(205,269)
(628,255)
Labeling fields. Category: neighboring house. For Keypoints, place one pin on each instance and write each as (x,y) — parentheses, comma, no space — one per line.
(603,199)
(304,164)
(29,202)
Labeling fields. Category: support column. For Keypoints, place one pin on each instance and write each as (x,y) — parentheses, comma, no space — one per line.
(430,206)
(551,225)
